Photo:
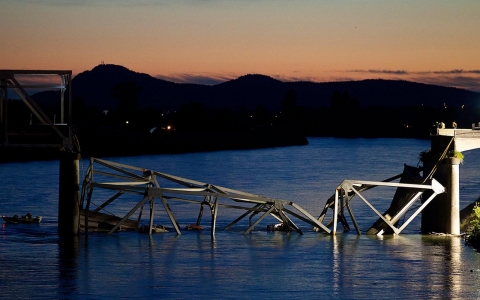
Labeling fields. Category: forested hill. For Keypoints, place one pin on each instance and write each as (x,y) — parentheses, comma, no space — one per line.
(250,91)
(110,95)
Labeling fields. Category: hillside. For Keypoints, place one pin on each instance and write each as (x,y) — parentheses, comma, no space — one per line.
(249,91)
(112,102)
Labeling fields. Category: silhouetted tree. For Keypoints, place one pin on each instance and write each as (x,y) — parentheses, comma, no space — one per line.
(260,118)
(192,117)
(345,116)
(344,101)
(128,108)
(78,110)
(290,110)
(152,117)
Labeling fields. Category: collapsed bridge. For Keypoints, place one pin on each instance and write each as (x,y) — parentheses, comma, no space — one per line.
(112,180)
(146,184)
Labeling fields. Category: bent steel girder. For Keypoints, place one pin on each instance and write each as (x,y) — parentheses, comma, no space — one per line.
(356,186)
(330,203)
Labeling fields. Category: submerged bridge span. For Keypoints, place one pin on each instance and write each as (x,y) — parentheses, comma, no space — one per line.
(107,183)
(149,185)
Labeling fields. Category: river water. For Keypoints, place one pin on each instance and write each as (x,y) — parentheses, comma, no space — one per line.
(35,263)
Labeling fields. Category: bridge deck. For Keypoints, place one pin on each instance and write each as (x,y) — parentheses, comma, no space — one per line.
(465,139)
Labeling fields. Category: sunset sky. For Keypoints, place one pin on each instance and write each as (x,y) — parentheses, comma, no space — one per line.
(210,41)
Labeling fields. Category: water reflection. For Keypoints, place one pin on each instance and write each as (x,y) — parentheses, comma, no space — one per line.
(408,265)
(67,266)
(456,268)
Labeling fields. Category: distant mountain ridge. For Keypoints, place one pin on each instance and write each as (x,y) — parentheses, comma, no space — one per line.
(249,91)
(243,113)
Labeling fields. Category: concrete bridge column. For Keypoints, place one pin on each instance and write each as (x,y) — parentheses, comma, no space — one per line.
(68,196)
(453,194)
(443,213)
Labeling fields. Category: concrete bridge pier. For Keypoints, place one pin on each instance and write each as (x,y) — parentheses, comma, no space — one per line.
(452,171)
(69,194)
(443,213)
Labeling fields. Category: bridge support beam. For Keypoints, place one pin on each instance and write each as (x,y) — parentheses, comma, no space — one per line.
(453,193)
(68,196)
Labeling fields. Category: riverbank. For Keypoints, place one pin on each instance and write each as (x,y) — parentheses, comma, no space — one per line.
(111,144)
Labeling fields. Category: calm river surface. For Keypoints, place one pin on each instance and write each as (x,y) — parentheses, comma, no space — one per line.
(34,263)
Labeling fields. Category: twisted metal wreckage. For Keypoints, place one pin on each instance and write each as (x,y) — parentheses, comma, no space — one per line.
(145,183)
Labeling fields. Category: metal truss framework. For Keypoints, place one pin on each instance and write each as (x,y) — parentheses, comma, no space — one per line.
(8,81)
(123,179)
(145,184)
(349,188)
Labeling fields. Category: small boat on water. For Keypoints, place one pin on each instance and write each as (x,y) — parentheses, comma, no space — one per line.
(23,219)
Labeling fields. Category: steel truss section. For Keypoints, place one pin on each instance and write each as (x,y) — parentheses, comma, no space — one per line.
(349,188)
(124,179)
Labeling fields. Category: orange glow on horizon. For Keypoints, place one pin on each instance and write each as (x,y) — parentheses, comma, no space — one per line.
(425,41)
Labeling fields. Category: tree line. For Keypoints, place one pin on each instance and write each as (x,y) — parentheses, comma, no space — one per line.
(345,117)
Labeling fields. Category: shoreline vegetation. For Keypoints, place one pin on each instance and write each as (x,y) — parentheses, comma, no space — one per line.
(470,224)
